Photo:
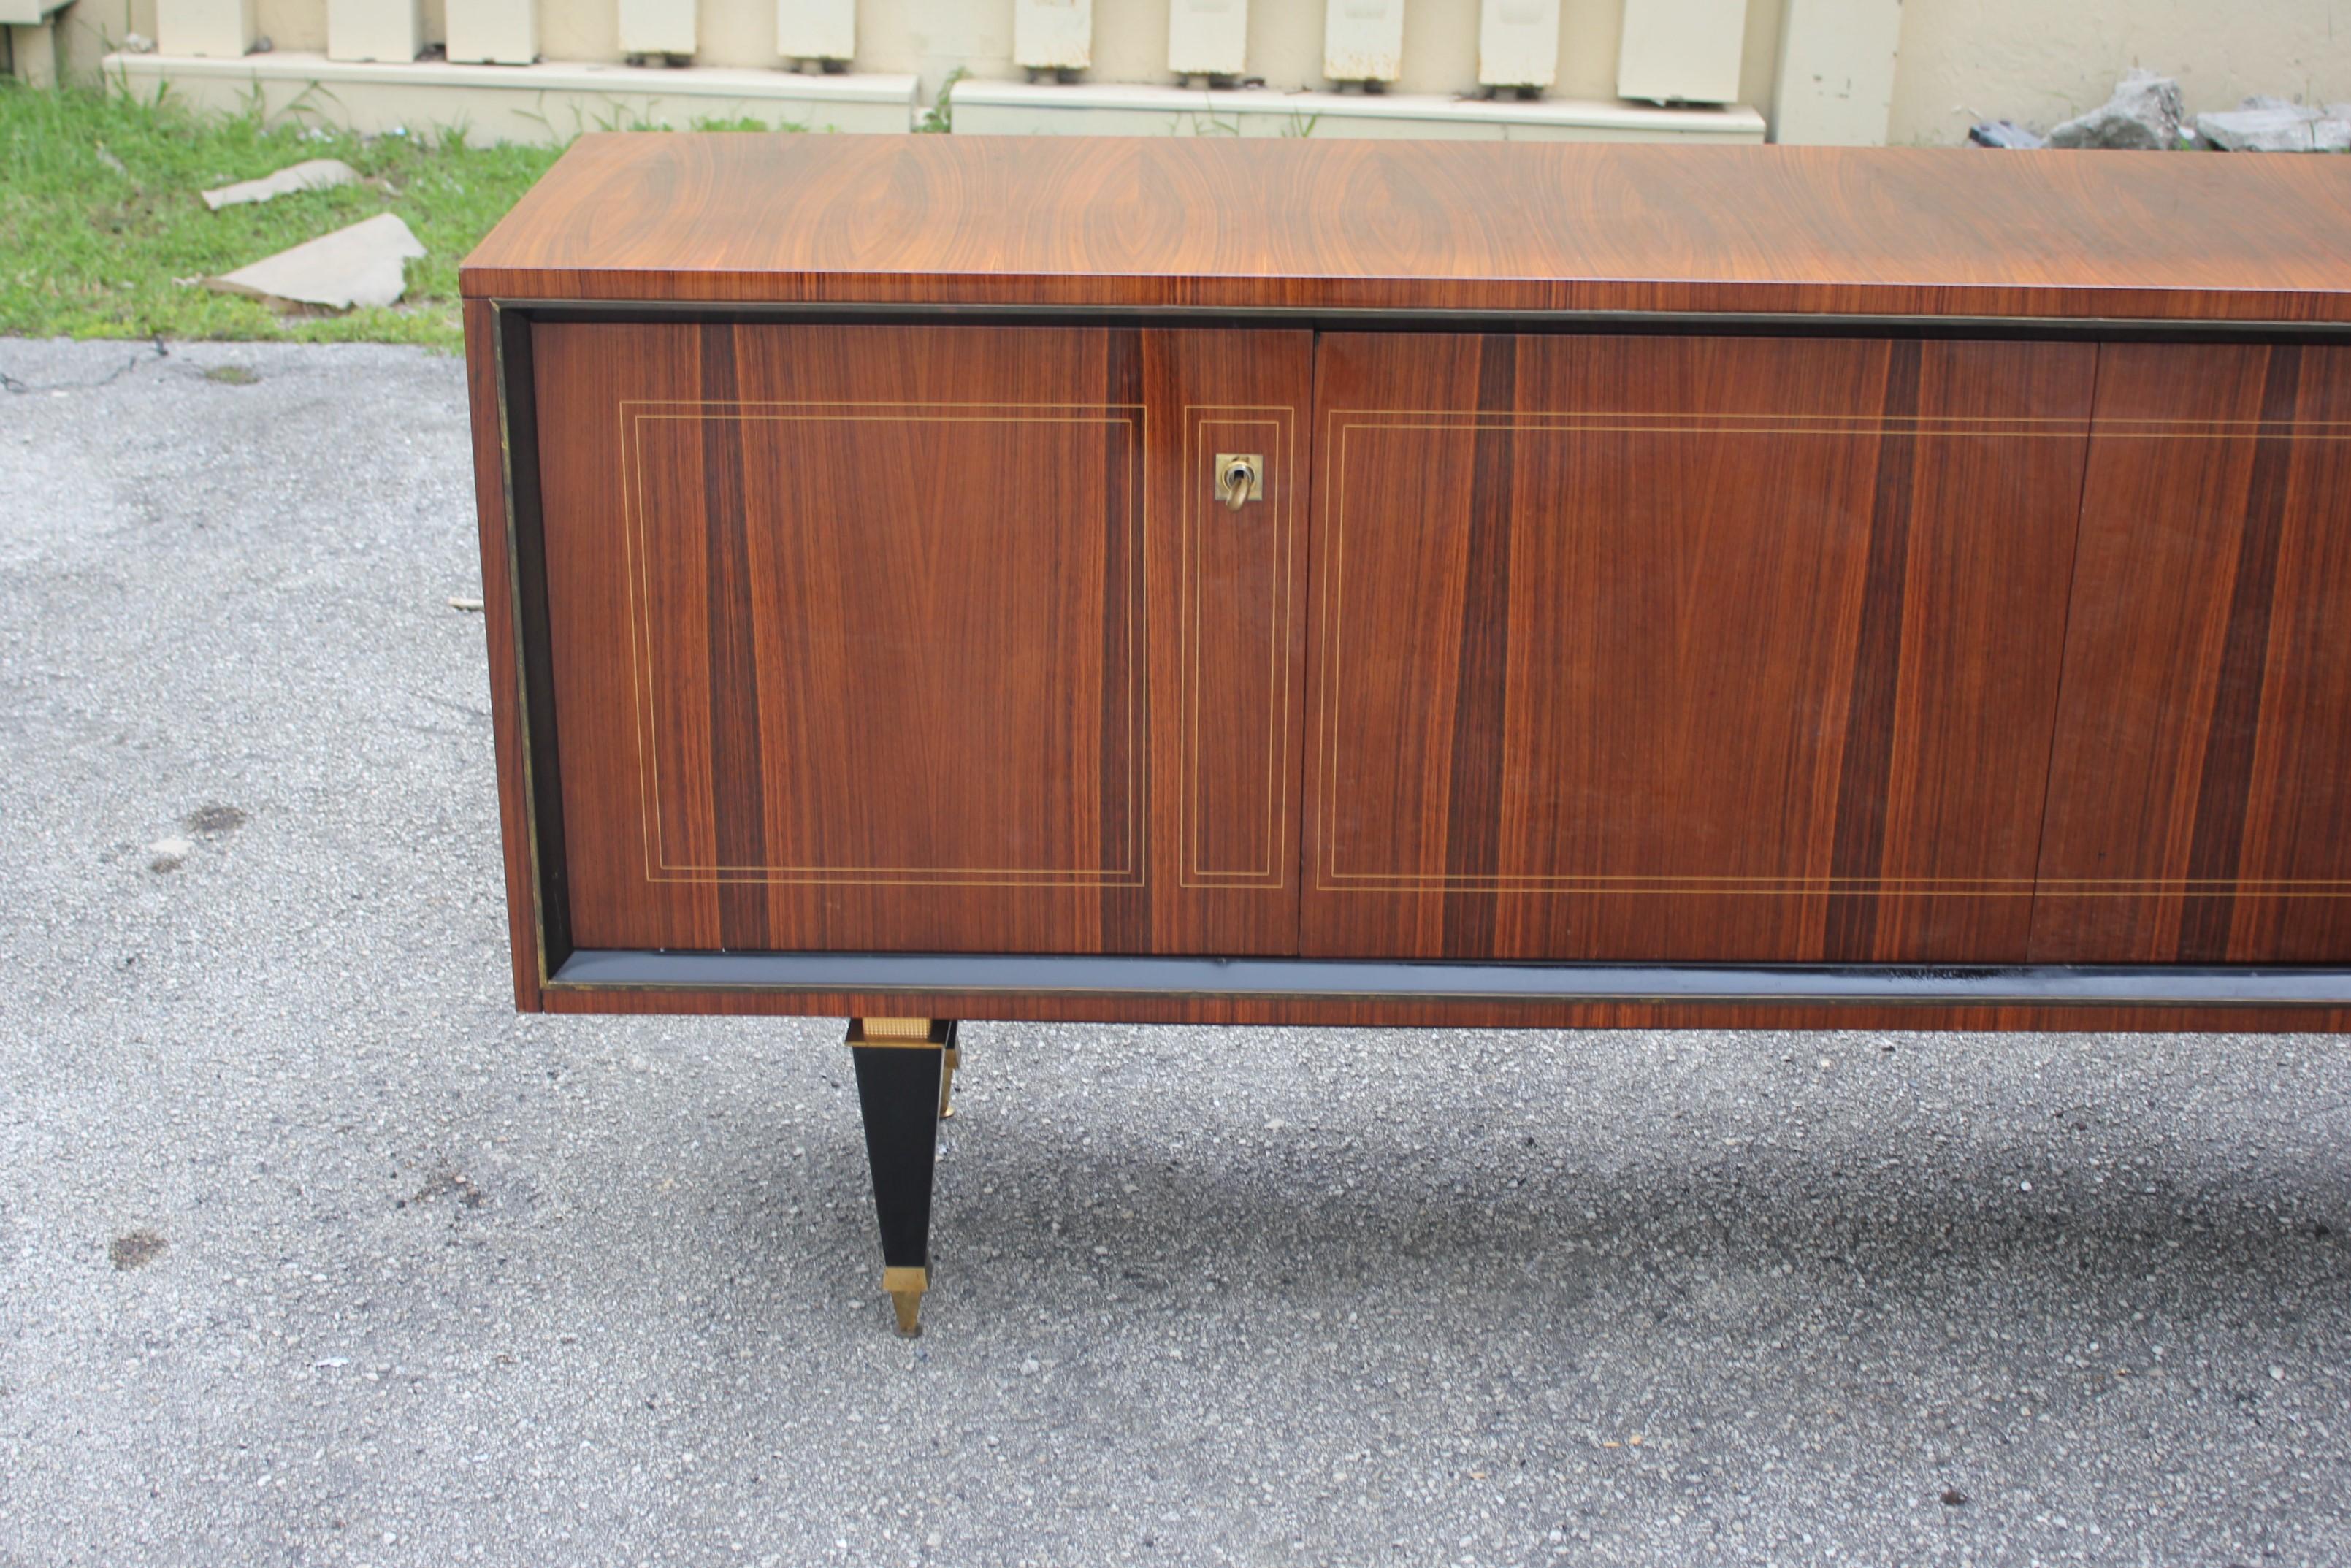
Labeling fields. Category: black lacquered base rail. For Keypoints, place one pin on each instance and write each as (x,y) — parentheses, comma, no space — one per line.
(1029,973)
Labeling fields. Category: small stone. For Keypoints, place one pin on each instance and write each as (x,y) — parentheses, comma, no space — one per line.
(2264,124)
(2004,133)
(310,174)
(1028,1369)
(362,264)
(2144,114)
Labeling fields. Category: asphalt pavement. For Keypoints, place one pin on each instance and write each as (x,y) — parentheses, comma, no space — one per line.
(311,1251)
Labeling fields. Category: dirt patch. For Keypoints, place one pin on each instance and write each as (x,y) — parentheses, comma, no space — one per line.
(215,820)
(135,1249)
(441,1185)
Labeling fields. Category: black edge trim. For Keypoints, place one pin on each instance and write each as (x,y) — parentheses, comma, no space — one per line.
(1723,323)
(526,570)
(1319,979)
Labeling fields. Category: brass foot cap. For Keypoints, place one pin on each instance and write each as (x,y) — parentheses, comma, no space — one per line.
(905,1288)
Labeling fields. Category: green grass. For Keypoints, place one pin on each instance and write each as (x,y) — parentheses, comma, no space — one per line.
(100,216)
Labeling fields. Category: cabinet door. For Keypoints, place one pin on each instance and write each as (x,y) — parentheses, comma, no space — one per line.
(1668,648)
(922,639)
(2199,805)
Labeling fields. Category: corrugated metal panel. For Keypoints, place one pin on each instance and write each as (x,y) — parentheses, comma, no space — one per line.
(1835,84)
(1208,37)
(1517,43)
(1363,40)
(657,26)
(1053,34)
(816,29)
(493,32)
(1682,51)
(223,28)
(374,30)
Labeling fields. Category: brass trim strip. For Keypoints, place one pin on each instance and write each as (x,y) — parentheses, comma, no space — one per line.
(900,1033)
(905,1288)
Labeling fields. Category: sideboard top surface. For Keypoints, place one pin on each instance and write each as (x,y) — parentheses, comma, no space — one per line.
(1222,224)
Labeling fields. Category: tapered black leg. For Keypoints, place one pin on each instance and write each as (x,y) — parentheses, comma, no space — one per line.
(900,1088)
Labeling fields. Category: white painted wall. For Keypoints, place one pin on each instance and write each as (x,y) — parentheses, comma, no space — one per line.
(2030,60)
(2036,62)
(931,39)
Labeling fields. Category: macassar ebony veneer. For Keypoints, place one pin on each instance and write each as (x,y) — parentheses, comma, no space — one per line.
(1356,582)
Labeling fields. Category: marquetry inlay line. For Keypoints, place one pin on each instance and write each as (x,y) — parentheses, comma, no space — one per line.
(2064,426)
(1891,887)
(1189,873)
(2187,884)
(636,412)
(1329,878)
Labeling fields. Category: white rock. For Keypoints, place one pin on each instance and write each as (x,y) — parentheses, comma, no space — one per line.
(2263,124)
(356,266)
(310,174)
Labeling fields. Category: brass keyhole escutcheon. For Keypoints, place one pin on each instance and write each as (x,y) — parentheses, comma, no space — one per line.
(1241,478)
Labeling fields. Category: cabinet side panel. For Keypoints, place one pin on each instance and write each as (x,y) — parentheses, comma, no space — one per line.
(2198,807)
(498,629)
(1685,648)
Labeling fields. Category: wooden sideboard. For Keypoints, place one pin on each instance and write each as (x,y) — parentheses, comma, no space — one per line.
(1712,586)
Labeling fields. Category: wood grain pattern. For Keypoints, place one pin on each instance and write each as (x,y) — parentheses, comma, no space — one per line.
(1228,608)
(1359,224)
(1904,649)
(2199,806)
(1653,648)
(855,632)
